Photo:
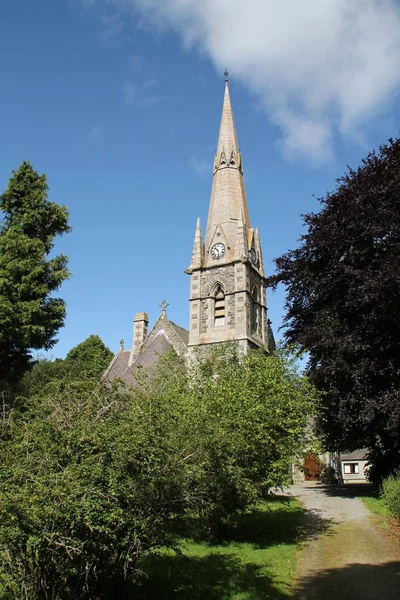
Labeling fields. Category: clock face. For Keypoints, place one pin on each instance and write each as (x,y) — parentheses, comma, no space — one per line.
(253,256)
(218,250)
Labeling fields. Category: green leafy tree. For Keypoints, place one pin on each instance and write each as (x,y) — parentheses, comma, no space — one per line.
(238,422)
(343,298)
(30,316)
(40,378)
(93,477)
(89,358)
(87,485)
(246,421)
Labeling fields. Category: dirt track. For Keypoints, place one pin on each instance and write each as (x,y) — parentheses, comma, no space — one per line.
(348,557)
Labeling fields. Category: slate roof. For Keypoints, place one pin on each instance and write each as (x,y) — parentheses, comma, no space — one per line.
(356,455)
(181,332)
(118,366)
(149,357)
(152,349)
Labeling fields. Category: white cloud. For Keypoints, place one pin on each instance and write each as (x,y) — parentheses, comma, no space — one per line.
(88,3)
(111,25)
(321,68)
(96,132)
(200,166)
(141,93)
(96,136)
(136,63)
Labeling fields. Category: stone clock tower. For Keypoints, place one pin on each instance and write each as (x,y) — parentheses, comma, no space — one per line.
(227,278)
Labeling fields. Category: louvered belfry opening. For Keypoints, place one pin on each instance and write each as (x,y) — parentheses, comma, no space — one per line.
(219,307)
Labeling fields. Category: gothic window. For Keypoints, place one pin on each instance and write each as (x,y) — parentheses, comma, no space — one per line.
(219,306)
(254,311)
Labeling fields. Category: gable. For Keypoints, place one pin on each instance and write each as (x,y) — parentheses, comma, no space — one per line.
(177,336)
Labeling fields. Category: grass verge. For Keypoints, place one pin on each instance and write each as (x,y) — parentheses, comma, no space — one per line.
(376,505)
(255,559)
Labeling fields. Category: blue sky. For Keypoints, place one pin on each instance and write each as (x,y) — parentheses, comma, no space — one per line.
(119,102)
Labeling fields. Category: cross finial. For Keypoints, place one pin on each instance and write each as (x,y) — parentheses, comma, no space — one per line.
(163,306)
(226,74)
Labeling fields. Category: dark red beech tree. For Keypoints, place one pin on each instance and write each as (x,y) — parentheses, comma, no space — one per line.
(343,307)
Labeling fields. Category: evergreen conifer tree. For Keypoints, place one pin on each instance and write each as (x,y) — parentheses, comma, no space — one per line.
(30,316)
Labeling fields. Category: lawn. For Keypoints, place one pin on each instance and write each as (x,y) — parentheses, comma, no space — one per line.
(255,559)
(376,504)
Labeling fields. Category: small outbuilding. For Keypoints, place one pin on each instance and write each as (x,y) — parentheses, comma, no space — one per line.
(353,466)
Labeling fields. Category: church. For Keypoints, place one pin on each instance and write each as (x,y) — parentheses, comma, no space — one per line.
(227,277)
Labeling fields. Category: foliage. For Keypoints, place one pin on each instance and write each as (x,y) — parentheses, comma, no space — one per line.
(88,360)
(42,374)
(246,419)
(30,315)
(391,494)
(87,484)
(343,294)
(94,477)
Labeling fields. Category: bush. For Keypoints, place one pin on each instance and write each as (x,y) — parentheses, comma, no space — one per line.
(391,494)
(88,483)
(247,418)
(93,477)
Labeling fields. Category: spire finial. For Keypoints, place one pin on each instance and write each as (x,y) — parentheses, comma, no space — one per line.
(163,307)
(226,75)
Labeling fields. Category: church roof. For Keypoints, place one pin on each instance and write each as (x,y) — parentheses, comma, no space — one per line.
(118,365)
(182,333)
(159,346)
(165,335)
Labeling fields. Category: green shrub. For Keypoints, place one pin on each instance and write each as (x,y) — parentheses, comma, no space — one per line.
(95,477)
(391,494)
(88,483)
(247,417)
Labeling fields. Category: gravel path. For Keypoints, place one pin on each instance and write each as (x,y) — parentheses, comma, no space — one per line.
(346,556)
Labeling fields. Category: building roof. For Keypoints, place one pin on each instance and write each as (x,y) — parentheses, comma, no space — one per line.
(164,336)
(118,365)
(181,332)
(159,346)
(356,455)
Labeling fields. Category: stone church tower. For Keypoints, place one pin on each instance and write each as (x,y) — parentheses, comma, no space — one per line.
(227,278)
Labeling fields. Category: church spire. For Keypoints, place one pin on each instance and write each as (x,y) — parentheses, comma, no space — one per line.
(227,140)
(228,202)
(198,250)
(227,280)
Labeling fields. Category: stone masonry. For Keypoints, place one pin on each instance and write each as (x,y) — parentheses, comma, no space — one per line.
(227,278)
(231,283)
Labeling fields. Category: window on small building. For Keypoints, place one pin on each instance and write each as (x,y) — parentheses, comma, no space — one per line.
(254,311)
(350,468)
(219,306)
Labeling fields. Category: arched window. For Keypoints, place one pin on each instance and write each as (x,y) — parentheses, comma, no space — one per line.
(254,311)
(219,306)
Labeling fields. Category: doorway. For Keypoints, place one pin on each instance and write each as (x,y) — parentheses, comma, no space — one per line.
(311,468)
